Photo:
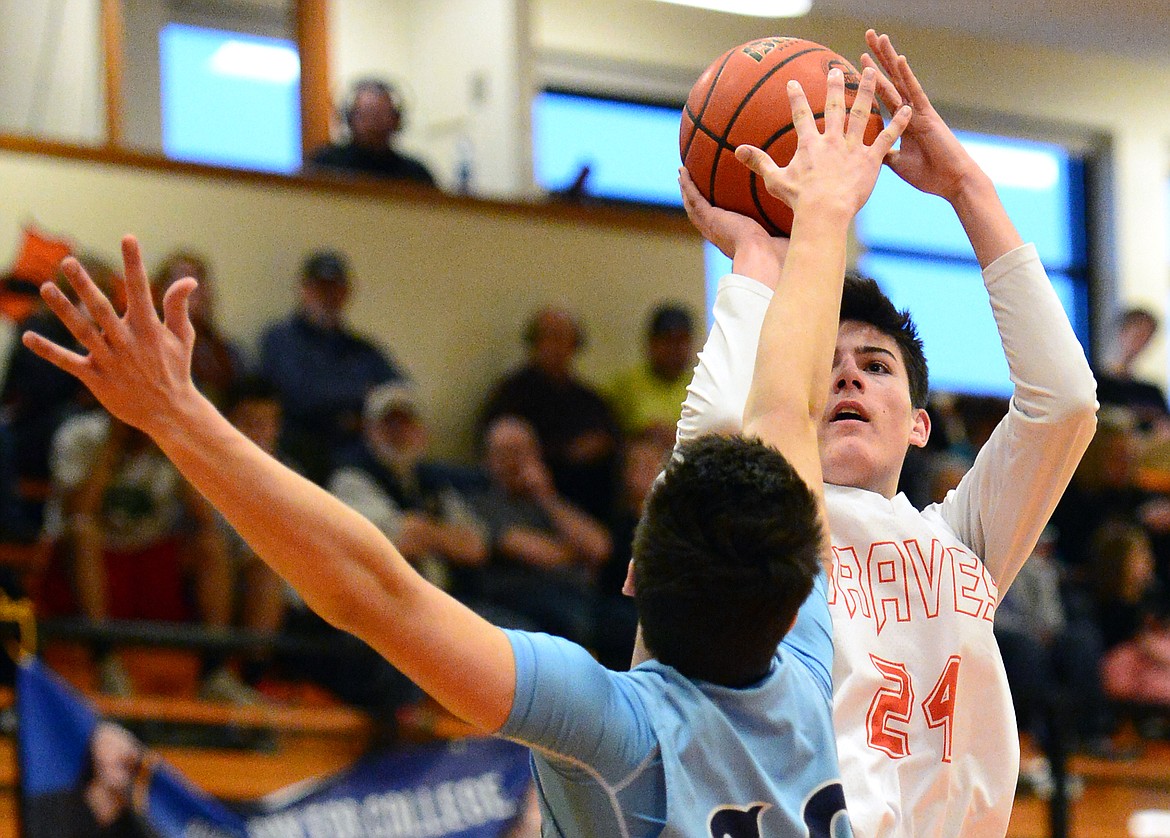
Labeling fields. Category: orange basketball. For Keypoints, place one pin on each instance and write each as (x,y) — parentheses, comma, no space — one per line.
(743,98)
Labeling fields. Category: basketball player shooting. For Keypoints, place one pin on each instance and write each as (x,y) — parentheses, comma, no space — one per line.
(728,730)
(924,721)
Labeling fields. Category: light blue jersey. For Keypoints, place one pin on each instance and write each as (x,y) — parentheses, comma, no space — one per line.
(649,752)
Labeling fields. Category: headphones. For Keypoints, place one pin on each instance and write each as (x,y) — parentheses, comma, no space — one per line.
(373,85)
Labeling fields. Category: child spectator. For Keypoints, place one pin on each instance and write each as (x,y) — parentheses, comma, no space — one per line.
(647,398)
(140,542)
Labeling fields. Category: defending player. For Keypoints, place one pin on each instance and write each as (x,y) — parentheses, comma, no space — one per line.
(728,731)
(925,728)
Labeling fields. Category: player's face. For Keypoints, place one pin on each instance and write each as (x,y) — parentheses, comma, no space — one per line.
(868,421)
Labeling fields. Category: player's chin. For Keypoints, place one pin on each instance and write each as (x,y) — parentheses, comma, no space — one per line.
(845,459)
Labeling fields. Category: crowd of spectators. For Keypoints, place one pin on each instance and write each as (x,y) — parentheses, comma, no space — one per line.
(524,533)
(536,531)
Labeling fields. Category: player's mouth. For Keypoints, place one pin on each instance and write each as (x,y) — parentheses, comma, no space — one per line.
(848,411)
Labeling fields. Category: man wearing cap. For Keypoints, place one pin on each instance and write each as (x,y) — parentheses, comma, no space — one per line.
(322,369)
(647,397)
(384,476)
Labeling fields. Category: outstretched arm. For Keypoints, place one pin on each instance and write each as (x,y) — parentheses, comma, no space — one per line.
(139,368)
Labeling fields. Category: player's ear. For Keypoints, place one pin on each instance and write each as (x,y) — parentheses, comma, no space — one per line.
(628,585)
(920,430)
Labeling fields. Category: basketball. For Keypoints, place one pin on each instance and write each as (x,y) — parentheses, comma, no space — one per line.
(743,98)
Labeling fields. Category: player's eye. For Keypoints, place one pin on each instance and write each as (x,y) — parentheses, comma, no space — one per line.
(880,367)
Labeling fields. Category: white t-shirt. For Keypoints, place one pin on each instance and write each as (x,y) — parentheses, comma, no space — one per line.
(925,728)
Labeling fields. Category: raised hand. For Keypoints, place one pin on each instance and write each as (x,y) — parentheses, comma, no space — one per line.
(137,365)
(727,230)
(930,157)
(753,252)
(834,170)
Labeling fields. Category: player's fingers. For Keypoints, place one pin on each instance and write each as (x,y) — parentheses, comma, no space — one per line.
(835,103)
(910,86)
(887,93)
(692,200)
(887,58)
(758,161)
(83,329)
(686,186)
(802,115)
(862,104)
(894,128)
(139,301)
(764,166)
(92,298)
(56,355)
(176,309)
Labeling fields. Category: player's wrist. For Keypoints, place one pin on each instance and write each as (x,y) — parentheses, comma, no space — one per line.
(826,211)
(970,187)
(175,421)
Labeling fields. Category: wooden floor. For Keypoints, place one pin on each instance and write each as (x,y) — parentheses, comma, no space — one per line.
(1114,791)
(1112,794)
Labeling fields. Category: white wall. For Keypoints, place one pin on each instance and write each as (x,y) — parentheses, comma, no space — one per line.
(445,283)
(51,70)
(469,66)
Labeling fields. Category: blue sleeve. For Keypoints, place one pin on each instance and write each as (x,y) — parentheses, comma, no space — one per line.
(811,637)
(567,705)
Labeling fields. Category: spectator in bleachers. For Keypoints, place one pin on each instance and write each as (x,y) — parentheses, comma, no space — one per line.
(643,459)
(1117,381)
(545,551)
(373,117)
(1105,489)
(216,362)
(103,803)
(647,398)
(575,426)
(322,368)
(1052,655)
(1132,613)
(139,542)
(19,300)
(38,397)
(386,478)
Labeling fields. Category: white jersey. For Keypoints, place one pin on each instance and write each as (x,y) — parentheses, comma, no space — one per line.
(925,728)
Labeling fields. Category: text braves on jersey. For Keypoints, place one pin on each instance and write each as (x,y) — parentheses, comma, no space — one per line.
(903,582)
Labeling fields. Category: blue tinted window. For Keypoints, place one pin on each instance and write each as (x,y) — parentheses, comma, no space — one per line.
(949,304)
(230,99)
(1039,184)
(914,244)
(917,250)
(631,149)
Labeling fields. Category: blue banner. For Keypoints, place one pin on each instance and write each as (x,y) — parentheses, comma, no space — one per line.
(81,775)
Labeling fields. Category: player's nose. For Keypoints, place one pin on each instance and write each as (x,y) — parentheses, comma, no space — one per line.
(847,376)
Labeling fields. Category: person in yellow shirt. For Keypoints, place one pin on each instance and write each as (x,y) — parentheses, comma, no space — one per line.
(646,398)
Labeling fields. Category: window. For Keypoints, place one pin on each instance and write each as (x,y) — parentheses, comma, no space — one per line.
(917,251)
(631,149)
(230,99)
(912,242)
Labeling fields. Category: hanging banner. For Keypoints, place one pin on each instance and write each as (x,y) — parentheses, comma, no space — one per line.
(82,776)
